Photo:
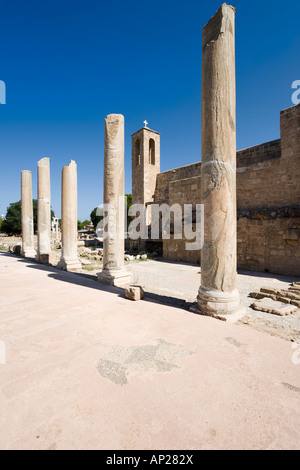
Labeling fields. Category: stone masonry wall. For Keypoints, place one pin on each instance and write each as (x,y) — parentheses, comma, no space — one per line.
(186,190)
(268,201)
(269,242)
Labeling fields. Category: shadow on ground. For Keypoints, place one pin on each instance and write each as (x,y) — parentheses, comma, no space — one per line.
(91,281)
(279,277)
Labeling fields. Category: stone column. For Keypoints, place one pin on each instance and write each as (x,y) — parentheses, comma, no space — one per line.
(218,294)
(44,211)
(114,271)
(69,259)
(28,250)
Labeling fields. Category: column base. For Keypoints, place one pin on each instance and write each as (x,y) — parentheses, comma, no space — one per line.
(71,265)
(118,278)
(28,253)
(223,305)
(42,258)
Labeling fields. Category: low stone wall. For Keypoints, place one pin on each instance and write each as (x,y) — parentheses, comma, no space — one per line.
(175,250)
(269,240)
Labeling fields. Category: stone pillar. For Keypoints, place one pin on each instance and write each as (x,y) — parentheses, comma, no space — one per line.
(28,250)
(44,211)
(114,271)
(218,294)
(69,258)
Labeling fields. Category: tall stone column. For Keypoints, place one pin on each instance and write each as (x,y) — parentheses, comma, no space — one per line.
(218,294)
(44,211)
(69,259)
(28,250)
(114,271)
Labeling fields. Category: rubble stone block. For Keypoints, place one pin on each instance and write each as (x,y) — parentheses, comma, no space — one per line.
(282,299)
(270,290)
(290,295)
(134,292)
(257,295)
(276,308)
(16,249)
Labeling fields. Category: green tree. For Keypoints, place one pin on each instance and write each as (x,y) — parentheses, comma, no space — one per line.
(1,222)
(129,204)
(83,224)
(12,223)
(95,218)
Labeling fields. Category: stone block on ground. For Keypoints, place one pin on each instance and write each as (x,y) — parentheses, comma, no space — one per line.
(44,258)
(269,290)
(261,295)
(290,295)
(129,258)
(257,295)
(274,307)
(15,249)
(283,299)
(134,292)
(281,295)
(295,290)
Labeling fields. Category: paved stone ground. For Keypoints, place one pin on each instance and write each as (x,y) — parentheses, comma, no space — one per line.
(178,283)
(88,369)
(181,281)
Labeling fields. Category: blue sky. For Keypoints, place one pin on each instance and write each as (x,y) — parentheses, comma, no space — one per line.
(67,64)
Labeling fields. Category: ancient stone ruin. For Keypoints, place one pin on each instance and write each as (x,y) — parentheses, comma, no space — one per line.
(114,271)
(69,257)
(44,211)
(28,250)
(251,197)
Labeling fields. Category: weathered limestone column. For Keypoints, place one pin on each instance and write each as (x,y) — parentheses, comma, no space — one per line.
(28,250)
(44,211)
(114,271)
(69,258)
(218,294)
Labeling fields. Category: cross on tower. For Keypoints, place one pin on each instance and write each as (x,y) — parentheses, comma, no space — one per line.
(146,123)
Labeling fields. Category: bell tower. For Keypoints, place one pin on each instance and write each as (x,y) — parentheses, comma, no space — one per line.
(145,164)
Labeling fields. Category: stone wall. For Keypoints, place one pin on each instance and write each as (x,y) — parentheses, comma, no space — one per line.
(163,180)
(268,174)
(269,240)
(186,190)
(258,154)
(268,202)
